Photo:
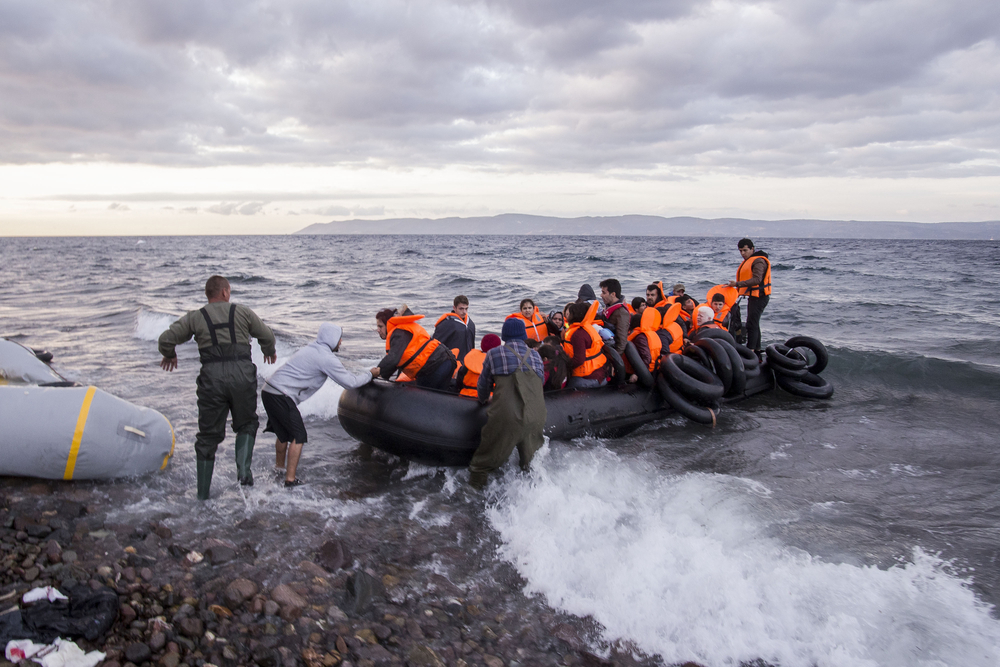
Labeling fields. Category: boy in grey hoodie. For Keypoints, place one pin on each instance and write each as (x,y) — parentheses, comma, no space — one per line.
(298,379)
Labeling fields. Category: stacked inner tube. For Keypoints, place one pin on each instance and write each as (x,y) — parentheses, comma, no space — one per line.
(794,373)
(690,388)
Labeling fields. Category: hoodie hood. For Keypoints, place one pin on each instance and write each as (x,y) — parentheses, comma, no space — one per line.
(586,293)
(329,335)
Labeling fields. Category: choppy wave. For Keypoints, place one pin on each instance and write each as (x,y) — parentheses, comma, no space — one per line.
(150,324)
(683,567)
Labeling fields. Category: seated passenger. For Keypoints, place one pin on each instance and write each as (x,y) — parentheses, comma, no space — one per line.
(616,316)
(582,344)
(705,319)
(555,324)
(722,299)
(554,361)
(678,290)
(654,295)
(456,329)
(688,304)
(638,305)
(411,350)
(670,332)
(647,342)
(472,365)
(534,323)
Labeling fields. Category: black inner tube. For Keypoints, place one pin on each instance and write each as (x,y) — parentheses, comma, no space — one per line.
(695,413)
(711,332)
(617,365)
(692,379)
(814,346)
(640,369)
(721,362)
(809,385)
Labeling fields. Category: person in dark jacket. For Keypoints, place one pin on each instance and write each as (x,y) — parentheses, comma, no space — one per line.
(616,315)
(554,360)
(407,345)
(753,277)
(456,329)
(516,413)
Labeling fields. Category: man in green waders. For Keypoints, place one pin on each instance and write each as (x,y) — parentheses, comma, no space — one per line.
(228,379)
(516,413)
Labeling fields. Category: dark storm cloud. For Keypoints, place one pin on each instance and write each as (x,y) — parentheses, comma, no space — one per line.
(796,87)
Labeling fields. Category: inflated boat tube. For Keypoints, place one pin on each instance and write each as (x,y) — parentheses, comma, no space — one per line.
(692,379)
(809,385)
(19,365)
(786,361)
(79,433)
(712,332)
(616,363)
(640,369)
(695,413)
(814,346)
(721,362)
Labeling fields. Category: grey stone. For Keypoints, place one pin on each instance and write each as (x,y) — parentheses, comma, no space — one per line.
(239,591)
(333,555)
(137,653)
(191,627)
(220,554)
(286,597)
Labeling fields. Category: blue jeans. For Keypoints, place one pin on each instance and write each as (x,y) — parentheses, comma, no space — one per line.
(575,382)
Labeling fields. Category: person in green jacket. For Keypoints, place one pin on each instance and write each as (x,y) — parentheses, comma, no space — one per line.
(227,383)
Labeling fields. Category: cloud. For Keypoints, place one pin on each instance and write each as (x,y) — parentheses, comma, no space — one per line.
(236,208)
(788,87)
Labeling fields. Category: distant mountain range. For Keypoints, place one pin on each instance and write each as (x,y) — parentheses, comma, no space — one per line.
(652,225)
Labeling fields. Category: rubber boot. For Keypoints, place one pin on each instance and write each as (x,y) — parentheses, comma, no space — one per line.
(205,469)
(478,480)
(244,457)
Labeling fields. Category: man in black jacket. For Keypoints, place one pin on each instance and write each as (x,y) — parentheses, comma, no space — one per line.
(456,329)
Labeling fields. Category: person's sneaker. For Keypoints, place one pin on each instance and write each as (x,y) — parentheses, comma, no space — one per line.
(292,484)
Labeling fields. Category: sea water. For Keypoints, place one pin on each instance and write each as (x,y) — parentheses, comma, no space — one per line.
(857,531)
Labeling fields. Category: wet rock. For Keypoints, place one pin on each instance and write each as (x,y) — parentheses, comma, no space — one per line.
(239,591)
(191,627)
(36,530)
(137,653)
(312,569)
(157,641)
(492,661)
(333,555)
(360,589)
(217,555)
(163,532)
(265,657)
(69,557)
(286,597)
(146,574)
(366,635)
(335,614)
(423,656)
(375,653)
(170,660)
(271,608)
(53,551)
(31,573)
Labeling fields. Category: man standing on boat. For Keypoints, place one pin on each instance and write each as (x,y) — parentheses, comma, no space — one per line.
(456,329)
(227,383)
(516,414)
(753,278)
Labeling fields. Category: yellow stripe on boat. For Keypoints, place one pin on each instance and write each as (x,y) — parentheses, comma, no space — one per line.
(173,441)
(81,423)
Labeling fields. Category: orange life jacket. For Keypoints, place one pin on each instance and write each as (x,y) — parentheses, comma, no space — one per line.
(745,272)
(647,327)
(731,294)
(421,345)
(535,327)
(595,359)
(473,363)
(669,324)
(454,315)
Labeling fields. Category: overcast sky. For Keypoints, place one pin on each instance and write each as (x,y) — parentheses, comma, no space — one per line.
(226,116)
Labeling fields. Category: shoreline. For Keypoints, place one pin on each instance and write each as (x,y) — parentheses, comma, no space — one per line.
(212,600)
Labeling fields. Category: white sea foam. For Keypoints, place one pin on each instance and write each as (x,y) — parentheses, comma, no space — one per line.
(683,567)
(150,324)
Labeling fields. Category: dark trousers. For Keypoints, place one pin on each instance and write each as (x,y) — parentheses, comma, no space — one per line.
(224,388)
(439,377)
(755,307)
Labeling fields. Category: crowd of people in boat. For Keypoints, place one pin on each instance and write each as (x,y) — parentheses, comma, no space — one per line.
(576,341)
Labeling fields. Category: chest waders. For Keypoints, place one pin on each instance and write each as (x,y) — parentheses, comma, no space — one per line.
(515,418)
(227,385)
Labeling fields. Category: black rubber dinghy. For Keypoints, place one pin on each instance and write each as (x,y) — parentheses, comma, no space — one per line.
(442,429)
